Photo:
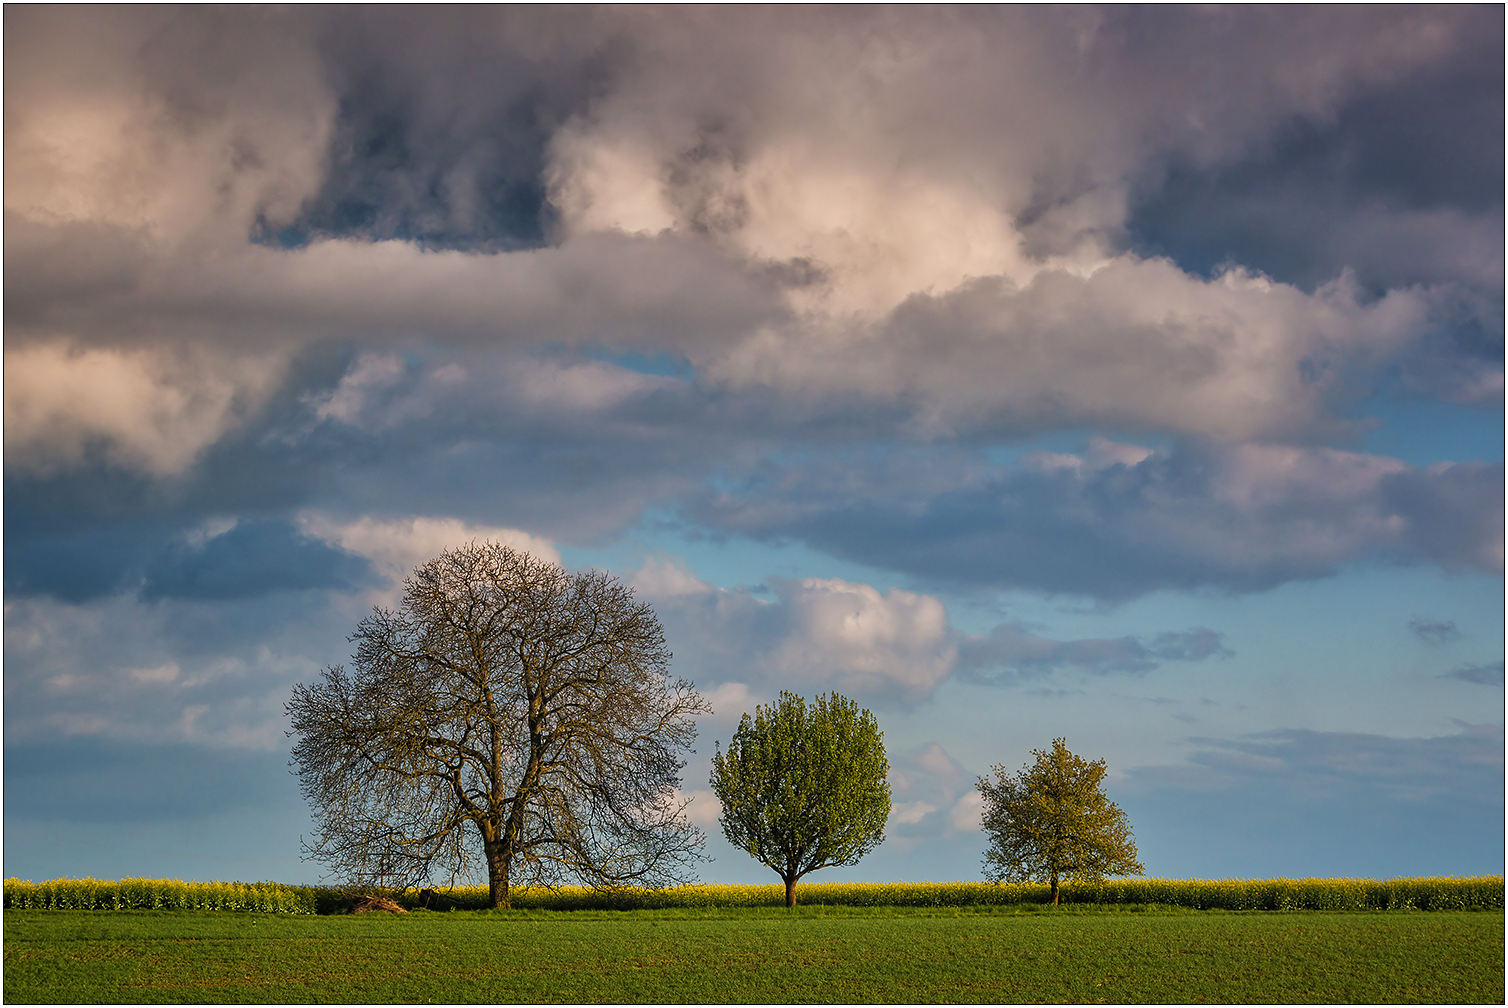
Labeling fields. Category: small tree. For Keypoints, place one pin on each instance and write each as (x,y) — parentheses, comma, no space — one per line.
(509,705)
(1051,821)
(804,787)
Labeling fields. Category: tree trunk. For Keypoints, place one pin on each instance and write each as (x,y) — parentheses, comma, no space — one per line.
(497,875)
(1054,881)
(790,891)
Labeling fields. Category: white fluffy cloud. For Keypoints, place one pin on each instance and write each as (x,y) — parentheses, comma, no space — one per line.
(933,797)
(859,641)
(165,125)
(397,546)
(891,648)
(702,807)
(817,634)
(967,813)
(146,409)
(1133,343)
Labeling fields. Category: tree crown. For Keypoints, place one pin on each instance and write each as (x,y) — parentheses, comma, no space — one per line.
(804,786)
(1052,820)
(508,697)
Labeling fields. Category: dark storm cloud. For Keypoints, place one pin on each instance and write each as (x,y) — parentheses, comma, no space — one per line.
(1299,803)
(522,182)
(574,449)
(253,558)
(1454,514)
(444,121)
(80,563)
(1430,141)
(81,533)
(1401,184)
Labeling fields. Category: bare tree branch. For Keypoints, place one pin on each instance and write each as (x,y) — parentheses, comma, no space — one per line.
(507,693)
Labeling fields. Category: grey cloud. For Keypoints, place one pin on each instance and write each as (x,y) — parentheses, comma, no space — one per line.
(1490,674)
(1340,804)
(83,562)
(604,289)
(253,558)
(446,117)
(1136,345)
(1198,517)
(1332,762)
(1454,514)
(569,448)
(577,450)
(204,673)
(419,158)
(81,533)
(1009,654)
(574,450)
(1441,632)
(1428,141)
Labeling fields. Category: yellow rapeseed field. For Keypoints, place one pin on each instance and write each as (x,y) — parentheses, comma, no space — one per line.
(158,894)
(1440,893)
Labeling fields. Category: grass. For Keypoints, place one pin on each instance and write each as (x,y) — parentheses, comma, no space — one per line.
(710,955)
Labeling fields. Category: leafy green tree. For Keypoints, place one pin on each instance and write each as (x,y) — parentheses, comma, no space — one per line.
(804,787)
(1051,821)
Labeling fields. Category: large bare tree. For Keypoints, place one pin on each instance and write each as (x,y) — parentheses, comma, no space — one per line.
(532,703)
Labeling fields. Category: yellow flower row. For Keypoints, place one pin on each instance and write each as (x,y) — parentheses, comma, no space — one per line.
(1444,893)
(1228,894)
(158,894)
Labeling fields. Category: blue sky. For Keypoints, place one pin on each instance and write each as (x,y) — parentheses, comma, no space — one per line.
(1132,376)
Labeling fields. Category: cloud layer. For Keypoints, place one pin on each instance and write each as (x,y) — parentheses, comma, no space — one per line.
(882,234)
(1120,521)
(924,353)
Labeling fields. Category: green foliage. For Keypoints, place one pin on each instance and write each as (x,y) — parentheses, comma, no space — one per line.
(811,955)
(804,788)
(1051,821)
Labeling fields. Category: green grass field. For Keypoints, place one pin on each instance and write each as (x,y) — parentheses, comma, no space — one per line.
(814,954)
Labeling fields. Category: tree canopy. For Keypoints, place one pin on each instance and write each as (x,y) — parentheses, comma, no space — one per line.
(1051,821)
(509,709)
(804,787)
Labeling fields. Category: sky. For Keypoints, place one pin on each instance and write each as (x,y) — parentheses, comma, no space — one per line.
(1132,376)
